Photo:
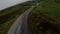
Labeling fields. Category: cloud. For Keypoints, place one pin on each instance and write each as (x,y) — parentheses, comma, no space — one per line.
(7,3)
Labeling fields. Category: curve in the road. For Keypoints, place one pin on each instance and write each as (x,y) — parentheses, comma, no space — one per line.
(20,25)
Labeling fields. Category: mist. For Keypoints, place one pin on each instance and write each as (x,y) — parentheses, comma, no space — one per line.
(8,3)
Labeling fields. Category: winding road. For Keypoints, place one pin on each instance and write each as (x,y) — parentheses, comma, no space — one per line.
(20,25)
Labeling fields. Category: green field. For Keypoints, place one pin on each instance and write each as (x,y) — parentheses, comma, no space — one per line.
(9,15)
(46,11)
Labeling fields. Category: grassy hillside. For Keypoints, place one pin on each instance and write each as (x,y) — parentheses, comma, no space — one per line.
(46,13)
(9,15)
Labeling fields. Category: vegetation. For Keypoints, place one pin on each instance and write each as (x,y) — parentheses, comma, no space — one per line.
(45,18)
(9,15)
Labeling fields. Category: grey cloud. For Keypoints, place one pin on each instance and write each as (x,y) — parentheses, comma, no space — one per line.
(7,3)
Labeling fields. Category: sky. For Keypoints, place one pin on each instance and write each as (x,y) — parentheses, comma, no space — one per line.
(8,3)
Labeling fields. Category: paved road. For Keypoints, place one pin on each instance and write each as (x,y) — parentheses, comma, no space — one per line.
(20,25)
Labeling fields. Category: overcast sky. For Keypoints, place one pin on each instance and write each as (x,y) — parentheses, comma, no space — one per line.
(7,3)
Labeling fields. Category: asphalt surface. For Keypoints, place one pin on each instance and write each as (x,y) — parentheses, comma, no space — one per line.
(20,26)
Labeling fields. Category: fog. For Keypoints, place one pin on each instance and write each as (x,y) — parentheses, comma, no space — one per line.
(8,3)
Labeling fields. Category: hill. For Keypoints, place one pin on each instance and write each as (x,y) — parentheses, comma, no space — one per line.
(45,18)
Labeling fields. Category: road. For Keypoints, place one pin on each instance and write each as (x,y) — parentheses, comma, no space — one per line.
(20,25)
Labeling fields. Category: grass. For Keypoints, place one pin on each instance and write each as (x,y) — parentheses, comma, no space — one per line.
(12,15)
(15,8)
(5,27)
(46,11)
(51,9)
(9,15)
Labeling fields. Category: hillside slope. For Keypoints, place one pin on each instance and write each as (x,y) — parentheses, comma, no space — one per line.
(9,15)
(45,18)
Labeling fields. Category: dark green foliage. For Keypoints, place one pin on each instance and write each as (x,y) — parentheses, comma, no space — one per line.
(45,18)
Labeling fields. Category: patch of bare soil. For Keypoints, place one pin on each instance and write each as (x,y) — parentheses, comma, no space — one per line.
(40,23)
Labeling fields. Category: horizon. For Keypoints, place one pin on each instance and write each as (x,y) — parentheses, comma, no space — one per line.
(8,3)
